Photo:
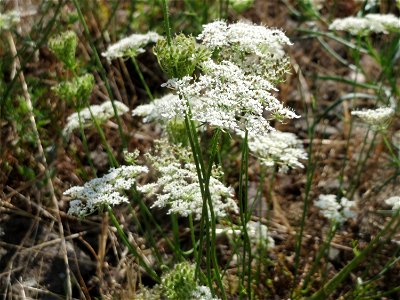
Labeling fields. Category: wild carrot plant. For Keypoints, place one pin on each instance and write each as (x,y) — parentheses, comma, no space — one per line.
(206,154)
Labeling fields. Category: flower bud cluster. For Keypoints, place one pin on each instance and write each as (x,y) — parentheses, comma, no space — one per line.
(78,89)
(182,57)
(180,283)
(64,47)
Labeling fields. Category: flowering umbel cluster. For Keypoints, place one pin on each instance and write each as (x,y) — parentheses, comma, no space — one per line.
(227,98)
(393,201)
(8,20)
(130,46)
(100,113)
(104,191)
(177,185)
(157,110)
(378,118)
(235,88)
(338,210)
(375,23)
(256,49)
(278,148)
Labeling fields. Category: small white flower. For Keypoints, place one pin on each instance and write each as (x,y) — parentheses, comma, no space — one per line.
(370,23)
(278,148)
(335,210)
(130,46)
(101,112)
(394,202)
(106,190)
(378,118)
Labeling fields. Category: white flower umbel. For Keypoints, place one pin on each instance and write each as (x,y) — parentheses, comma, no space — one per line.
(203,292)
(100,192)
(258,234)
(256,49)
(156,110)
(228,99)
(101,112)
(335,210)
(378,118)
(8,20)
(177,186)
(376,23)
(130,46)
(246,37)
(394,202)
(283,149)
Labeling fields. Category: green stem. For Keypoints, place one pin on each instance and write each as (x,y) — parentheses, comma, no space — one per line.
(390,148)
(175,232)
(130,247)
(309,179)
(146,87)
(243,195)
(166,21)
(321,253)
(333,284)
(85,145)
(193,237)
(102,71)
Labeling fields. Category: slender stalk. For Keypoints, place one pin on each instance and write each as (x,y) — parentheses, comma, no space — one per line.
(146,87)
(175,232)
(390,148)
(50,185)
(320,254)
(85,145)
(130,247)
(360,165)
(167,26)
(243,193)
(193,237)
(333,284)
(102,71)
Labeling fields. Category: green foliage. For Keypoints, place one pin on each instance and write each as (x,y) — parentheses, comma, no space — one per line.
(180,282)
(182,57)
(177,132)
(241,5)
(64,47)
